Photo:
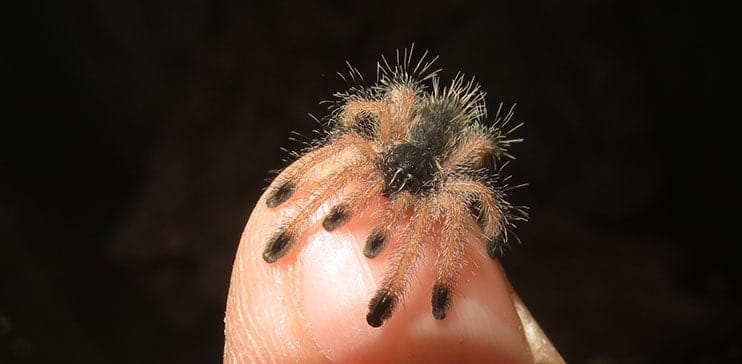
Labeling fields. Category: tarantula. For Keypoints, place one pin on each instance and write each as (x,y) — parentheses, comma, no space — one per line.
(425,149)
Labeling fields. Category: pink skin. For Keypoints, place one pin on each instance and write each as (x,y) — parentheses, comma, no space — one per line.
(310,306)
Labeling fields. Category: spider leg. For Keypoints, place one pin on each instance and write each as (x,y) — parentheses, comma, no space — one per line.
(475,150)
(402,100)
(284,238)
(476,153)
(366,117)
(488,208)
(342,212)
(286,184)
(395,283)
(392,114)
(376,241)
(450,252)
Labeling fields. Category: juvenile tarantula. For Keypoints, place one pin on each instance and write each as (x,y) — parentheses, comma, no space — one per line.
(424,148)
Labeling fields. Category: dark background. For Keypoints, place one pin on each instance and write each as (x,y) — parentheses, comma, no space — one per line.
(136,137)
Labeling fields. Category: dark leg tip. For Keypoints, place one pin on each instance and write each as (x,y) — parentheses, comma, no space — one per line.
(375,243)
(280,194)
(380,308)
(269,257)
(441,300)
(277,247)
(373,321)
(338,216)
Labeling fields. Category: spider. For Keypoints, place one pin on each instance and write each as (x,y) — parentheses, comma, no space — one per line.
(424,148)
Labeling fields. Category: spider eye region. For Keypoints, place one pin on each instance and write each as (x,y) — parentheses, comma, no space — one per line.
(407,167)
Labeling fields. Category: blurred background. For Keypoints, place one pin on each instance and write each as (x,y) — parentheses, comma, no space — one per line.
(137,136)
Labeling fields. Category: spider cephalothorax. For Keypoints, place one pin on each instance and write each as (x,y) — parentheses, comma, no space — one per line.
(424,148)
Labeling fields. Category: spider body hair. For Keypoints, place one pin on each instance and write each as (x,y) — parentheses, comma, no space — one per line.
(426,149)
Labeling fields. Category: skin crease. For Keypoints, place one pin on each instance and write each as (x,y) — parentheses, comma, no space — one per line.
(310,305)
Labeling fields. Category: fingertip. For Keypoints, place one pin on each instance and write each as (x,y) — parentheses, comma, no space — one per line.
(312,304)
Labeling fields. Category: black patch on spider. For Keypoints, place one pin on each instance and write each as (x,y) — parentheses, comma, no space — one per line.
(441,300)
(337,216)
(277,247)
(408,167)
(494,244)
(436,128)
(365,124)
(280,194)
(375,243)
(380,308)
